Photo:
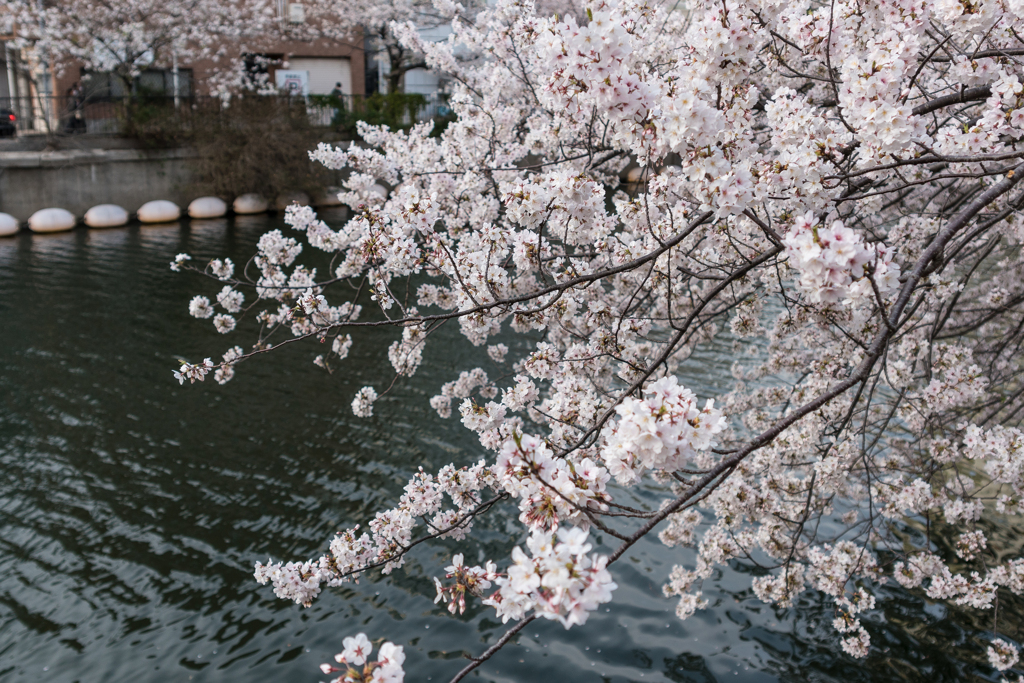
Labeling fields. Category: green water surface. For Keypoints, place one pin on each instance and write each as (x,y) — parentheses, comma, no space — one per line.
(132,509)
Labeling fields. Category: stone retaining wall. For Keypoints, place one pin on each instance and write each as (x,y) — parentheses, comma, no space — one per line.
(77,180)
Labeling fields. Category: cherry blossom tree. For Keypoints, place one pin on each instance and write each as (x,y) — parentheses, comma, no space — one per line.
(831,189)
(125,37)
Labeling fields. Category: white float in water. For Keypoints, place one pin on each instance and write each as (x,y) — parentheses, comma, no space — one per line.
(635,175)
(328,197)
(106,216)
(286,199)
(159,211)
(9,225)
(207,207)
(249,204)
(51,220)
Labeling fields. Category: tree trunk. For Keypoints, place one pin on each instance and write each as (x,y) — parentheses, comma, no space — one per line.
(395,71)
(395,81)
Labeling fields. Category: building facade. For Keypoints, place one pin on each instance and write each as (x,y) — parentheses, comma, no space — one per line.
(44,93)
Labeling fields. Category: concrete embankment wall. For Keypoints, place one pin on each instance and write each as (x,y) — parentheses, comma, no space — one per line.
(77,180)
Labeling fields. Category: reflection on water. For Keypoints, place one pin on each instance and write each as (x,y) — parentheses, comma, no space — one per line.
(132,509)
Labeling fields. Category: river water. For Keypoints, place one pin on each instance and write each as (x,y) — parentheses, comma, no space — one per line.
(132,509)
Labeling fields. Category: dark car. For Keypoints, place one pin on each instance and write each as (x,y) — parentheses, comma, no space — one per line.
(7,123)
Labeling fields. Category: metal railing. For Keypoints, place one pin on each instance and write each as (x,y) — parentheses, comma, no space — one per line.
(66,115)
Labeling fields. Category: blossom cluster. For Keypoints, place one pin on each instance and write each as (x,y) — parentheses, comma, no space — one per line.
(663,432)
(357,667)
(557,580)
(835,264)
(193,371)
(1002,655)
(471,580)
(551,491)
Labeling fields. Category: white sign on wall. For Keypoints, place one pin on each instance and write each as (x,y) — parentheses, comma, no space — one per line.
(296,13)
(292,82)
(324,73)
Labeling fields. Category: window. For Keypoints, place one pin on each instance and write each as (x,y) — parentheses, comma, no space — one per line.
(104,85)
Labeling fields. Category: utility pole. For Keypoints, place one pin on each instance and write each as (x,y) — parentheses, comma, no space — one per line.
(12,78)
(45,89)
(174,78)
